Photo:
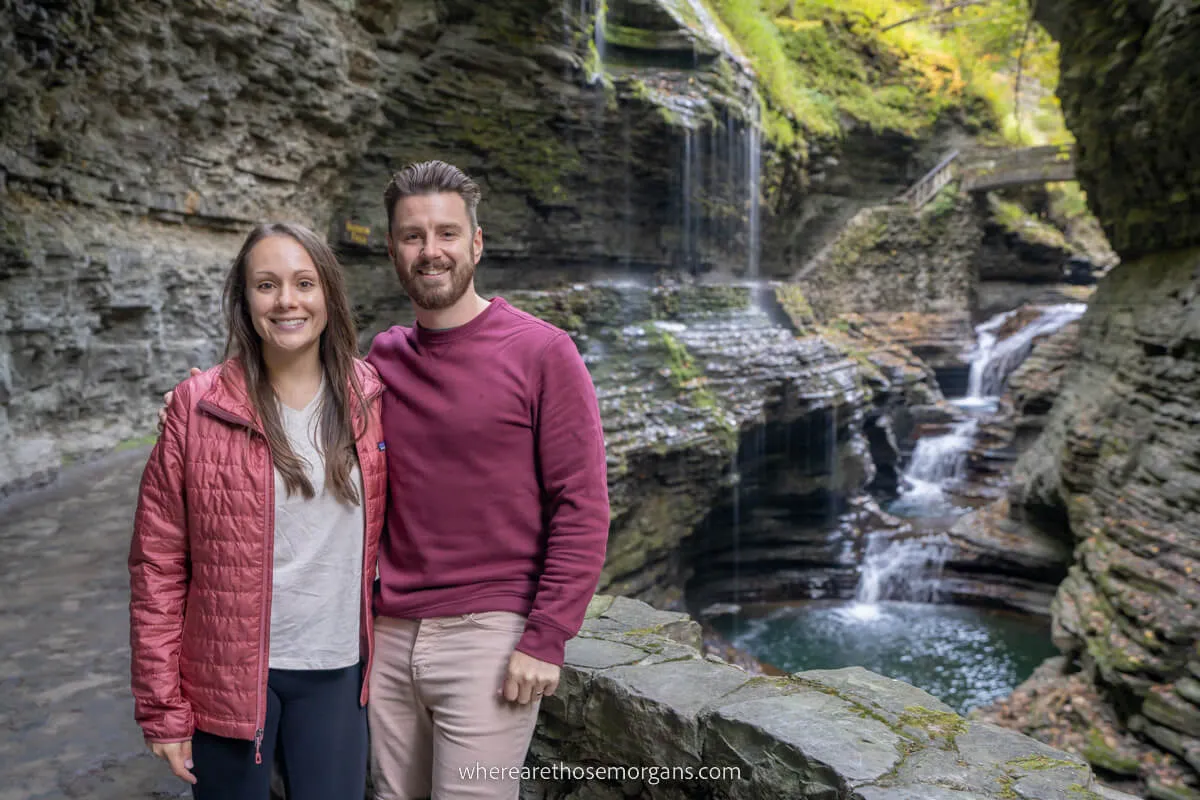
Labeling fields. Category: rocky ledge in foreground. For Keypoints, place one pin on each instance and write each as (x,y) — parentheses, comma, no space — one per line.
(637,693)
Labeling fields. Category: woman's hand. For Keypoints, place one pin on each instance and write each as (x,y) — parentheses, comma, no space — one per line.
(178,755)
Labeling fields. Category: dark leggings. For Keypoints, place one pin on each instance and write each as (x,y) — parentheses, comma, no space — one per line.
(321,730)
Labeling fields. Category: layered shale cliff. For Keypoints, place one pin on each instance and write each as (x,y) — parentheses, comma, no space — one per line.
(138,143)
(1114,474)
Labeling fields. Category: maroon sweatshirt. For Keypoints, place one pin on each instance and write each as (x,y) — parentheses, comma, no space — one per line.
(498,494)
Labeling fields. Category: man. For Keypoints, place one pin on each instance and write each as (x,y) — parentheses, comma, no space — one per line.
(498,515)
(498,509)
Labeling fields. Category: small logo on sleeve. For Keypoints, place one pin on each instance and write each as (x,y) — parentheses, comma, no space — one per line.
(382,446)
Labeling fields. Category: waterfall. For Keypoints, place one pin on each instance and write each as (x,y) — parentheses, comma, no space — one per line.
(689,137)
(994,360)
(627,195)
(907,570)
(720,184)
(754,172)
(938,461)
(598,21)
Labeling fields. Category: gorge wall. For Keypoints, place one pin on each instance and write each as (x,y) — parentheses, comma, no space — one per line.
(1113,474)
(139,142)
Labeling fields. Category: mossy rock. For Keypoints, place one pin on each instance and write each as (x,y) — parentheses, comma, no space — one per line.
(791,298)
(1109,759)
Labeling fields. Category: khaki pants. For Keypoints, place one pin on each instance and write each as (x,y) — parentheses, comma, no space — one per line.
(434,711)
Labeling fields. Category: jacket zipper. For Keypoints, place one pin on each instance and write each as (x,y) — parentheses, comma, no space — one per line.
(269,537)
(367,583)
(264,645)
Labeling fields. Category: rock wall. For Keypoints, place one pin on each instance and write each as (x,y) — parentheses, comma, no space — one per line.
(1112,473)
(139,142)
(1127,71)
(639,712)
(136,144)
(1107,476)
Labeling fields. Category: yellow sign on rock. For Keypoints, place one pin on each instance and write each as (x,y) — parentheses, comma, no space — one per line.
(357,234)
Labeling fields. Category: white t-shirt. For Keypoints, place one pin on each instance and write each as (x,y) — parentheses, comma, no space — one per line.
(316,604)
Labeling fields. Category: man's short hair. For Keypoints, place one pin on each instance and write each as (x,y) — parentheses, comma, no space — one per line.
(431,177)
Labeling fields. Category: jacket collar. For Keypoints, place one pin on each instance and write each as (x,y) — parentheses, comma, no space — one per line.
(228,399)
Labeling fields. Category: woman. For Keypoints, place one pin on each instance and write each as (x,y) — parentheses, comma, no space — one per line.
(255,541)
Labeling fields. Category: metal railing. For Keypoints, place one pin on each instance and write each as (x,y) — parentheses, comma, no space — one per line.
(928,186)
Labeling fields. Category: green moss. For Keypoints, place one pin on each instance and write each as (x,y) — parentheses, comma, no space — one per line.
(857,240)
(1082,792)
(1100,755)
(1068,200)
(943,204)
(942,725)
(678,360)
(672,302)
(635,38)
(135,443)
(752,31)
(522,145)
(688,380)
(569,309)
(1019,222)
(1038,763)
(791,298)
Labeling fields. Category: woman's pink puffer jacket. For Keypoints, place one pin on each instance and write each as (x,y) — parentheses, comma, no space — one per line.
(201,560)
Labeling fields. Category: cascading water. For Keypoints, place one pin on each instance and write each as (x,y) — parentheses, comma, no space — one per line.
(995,359)
(906,570)
(938,461)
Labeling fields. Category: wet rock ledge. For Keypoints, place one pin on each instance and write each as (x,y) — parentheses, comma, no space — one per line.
(636,691)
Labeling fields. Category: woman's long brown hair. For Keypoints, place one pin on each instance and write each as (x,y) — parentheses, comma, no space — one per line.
(338,350)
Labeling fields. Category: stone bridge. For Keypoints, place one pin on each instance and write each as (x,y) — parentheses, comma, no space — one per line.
(986,169)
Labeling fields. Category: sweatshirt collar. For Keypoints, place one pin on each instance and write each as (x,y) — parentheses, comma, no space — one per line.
(430,336)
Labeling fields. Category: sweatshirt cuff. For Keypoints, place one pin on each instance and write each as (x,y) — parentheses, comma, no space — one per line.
(543,642)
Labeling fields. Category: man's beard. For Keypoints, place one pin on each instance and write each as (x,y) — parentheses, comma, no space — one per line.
(436,298)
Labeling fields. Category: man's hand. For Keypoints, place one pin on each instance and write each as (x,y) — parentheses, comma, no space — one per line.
(162,412)
(528,678)
(178,755)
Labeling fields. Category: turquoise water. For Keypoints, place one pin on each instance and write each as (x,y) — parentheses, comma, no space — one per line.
(967,657)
